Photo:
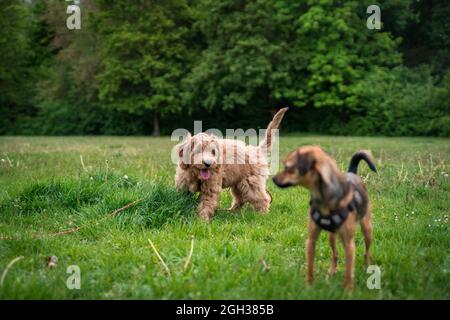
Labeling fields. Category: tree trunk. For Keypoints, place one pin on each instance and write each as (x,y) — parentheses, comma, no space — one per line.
(156,130)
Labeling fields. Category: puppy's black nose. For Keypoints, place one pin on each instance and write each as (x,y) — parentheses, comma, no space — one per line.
(207,163)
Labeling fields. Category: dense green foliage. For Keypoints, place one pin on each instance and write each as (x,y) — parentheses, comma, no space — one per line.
(16,67)
(241,255)
(232,62)
(144,56)
(412,103)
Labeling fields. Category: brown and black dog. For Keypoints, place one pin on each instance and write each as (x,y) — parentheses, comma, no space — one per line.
(338,201)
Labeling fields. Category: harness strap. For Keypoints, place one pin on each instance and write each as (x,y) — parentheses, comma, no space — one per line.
(331,222)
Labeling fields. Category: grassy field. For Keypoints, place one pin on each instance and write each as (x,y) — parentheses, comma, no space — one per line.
(45,189)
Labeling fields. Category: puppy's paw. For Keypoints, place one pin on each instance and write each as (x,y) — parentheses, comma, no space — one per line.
(234,208)
(204,215)
(263,210)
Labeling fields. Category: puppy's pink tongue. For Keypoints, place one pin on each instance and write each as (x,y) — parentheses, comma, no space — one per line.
(204,174)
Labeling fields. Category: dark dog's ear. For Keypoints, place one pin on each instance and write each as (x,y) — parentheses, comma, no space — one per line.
(328,173)
(305,163)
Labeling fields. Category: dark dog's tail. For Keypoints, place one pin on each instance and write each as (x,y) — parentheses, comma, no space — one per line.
(357,157)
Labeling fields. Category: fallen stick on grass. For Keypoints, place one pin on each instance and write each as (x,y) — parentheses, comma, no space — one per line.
(166,268)
(82,163)
(5,272)
(188,259)
(9,161)
(69,231)
(57,234)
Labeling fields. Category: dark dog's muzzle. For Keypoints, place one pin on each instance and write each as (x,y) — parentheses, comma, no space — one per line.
(279,184)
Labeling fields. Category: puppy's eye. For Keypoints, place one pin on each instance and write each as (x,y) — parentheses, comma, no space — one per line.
(213,152)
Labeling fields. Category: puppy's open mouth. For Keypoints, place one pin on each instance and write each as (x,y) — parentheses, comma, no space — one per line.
(205,174)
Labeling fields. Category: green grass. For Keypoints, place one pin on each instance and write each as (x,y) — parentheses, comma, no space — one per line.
(45,189)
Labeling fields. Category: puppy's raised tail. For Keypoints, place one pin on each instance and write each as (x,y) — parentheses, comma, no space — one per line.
(274,124)
(357,157)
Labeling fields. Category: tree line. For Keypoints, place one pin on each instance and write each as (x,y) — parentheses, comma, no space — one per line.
(141,67)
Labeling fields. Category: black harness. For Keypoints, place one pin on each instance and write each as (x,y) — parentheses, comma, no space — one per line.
(332,221)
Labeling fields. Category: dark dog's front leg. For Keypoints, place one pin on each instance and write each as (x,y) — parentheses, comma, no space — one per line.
(313,235)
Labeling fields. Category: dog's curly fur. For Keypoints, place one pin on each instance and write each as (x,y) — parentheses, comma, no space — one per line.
(207,164)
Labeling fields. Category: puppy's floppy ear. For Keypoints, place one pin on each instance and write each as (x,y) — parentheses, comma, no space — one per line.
(180,150)
(305,163)
(183,144)
(183,150)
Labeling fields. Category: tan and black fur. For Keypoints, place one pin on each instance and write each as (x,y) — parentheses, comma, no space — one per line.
(331,190)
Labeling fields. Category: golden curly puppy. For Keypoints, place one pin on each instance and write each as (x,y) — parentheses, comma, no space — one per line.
(207,164)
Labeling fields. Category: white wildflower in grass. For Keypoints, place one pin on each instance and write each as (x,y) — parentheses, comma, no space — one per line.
(125,177)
